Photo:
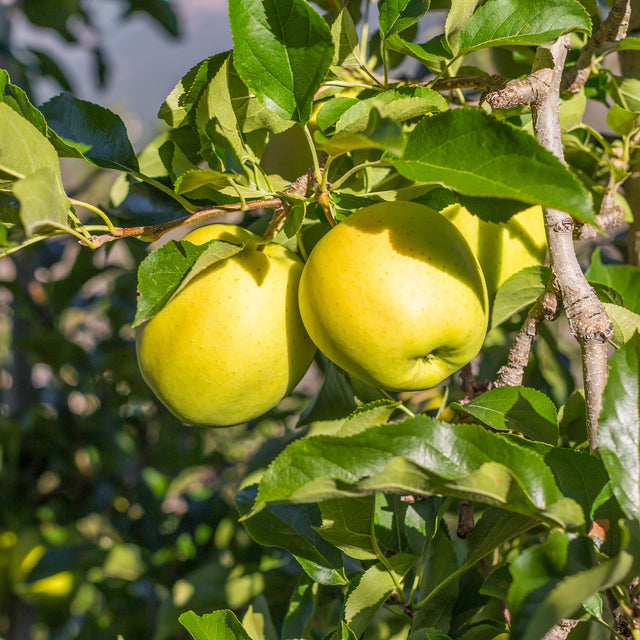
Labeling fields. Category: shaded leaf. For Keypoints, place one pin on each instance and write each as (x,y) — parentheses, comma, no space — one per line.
(369,591)
(293,528)
(619,426)
(521,409)
(434,54)
(347,523)
(43,202)
(623,278)
(86,130)
(395,16)
(302,604)
(477,155)
(579,475)
(520,22)
(459,13)
(553,579)
(282,51)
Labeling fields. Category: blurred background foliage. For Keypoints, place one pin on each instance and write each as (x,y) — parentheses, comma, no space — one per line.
(114,517)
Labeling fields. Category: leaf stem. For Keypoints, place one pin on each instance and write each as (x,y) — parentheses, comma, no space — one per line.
(382,558)
(374,163)
(96,210)
(314,154)
(191,208)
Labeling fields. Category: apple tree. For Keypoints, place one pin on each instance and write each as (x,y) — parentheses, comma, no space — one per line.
(502,501)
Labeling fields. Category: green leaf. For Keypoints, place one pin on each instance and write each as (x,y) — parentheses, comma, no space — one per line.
(347,524)
(302,603)
(23,148)
(345,41)
(619,426)
(369,590)
(185,95)
(219,625)
(395,16)
(282,51)
(493,529)
(625,279)
(518,293)
(43,202)
(295,218)
(165,271)
(625,324)
(257,620)
(520,22)
(625,92)
(197,178)
(579,475)
(293,528)
(521,409)
(378,133)
(477,155)
(629,44)
(434,55)
(419,456)
(622,121)
(403,103)
(334,401)
(459,13)
(439,581)
(553,579)
(369,415)
(86,130)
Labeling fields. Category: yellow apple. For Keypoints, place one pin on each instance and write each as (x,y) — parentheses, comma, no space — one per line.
(231,344)
(394,296)
(502,249)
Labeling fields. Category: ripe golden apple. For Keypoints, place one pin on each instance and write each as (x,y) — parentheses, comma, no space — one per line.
(502,249)
(231,344)
(394,296)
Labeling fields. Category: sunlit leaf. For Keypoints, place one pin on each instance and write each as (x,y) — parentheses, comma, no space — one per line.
(477,155)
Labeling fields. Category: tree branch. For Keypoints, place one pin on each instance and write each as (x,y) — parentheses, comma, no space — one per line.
(613,28)
(547,307)
(587,318)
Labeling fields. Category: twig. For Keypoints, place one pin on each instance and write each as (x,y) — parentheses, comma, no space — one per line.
(561,630)
(478,83)
(466,522)
(547,307)
(299,187)
(613,28)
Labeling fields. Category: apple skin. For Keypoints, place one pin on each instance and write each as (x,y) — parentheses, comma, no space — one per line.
(502,249)
(231,344)
(394,296)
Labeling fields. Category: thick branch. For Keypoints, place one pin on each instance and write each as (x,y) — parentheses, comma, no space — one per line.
(612,29)
(587,318)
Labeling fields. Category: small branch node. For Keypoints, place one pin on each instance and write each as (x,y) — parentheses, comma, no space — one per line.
(522,90)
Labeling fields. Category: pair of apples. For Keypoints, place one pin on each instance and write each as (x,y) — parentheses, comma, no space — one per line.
(396,295)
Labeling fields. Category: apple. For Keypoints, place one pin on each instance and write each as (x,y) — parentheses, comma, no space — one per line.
(502,249)
(231,344)
(395,297)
